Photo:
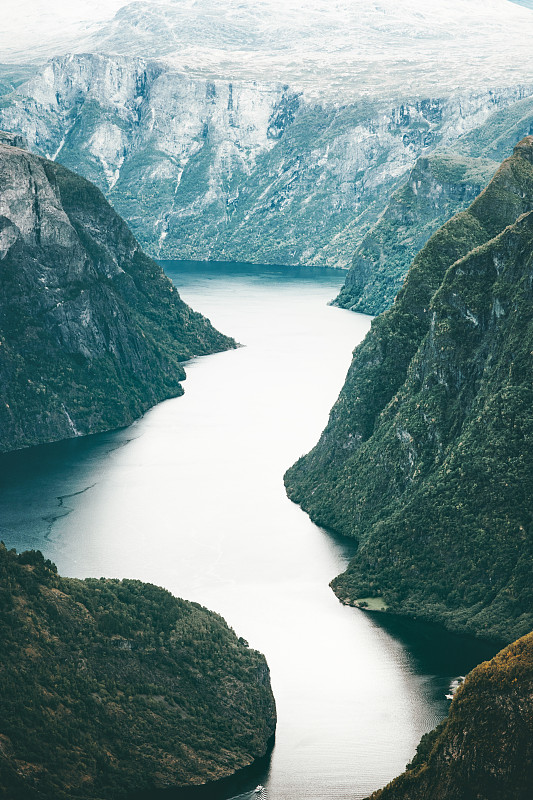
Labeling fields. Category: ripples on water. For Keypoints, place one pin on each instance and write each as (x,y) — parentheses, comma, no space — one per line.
(191,498)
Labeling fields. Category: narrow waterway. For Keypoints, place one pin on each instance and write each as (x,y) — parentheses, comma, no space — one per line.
(191,497)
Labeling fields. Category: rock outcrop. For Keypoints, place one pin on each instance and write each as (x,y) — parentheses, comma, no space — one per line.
(112,687)
(92,333)
(484,749)
(426,458)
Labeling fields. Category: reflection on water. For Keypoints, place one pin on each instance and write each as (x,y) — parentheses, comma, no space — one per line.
(191,498)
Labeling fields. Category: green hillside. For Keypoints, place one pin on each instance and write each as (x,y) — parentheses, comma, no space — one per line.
(109,687)
(426,458)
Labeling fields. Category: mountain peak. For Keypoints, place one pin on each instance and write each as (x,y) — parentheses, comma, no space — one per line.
(524,148)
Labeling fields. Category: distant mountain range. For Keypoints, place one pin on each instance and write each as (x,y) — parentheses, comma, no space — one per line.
(239,170)
(261,133)
(335,51)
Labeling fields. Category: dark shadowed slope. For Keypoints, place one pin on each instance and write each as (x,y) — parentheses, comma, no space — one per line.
(92,332)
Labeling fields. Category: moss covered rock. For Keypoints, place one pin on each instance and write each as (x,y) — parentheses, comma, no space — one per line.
(427,456)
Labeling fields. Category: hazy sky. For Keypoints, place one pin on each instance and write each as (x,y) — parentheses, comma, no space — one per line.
(28,22)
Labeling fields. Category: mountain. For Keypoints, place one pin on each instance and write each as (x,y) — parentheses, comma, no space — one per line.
(426,458)
(335,50)
(234,170)
(111,687)
(483,749)
(92,333)
(439,185)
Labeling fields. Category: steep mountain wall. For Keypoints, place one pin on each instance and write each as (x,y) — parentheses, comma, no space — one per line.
(440,185)
(243,170)
(484,749)
(426,458)
(92,332)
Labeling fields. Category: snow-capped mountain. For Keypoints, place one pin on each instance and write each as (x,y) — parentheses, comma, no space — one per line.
(337,47)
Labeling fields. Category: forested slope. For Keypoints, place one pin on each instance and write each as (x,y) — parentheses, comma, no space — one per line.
(426,458)
(109,687)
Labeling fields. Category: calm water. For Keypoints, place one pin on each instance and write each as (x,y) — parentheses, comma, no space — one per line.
(191,497)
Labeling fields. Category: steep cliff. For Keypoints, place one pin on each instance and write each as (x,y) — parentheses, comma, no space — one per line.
(426,458)
(441,184)
(110,687)
(438,186)
(239,170)
(484,749)
(92,333)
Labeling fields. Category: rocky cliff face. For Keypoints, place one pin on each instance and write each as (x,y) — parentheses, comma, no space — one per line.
(438,186)
(484,749)
(252,171)
(111,687)
(92,333)
(426,458)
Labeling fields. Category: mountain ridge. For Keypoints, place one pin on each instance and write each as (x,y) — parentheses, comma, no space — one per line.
(405,463)
(92,332)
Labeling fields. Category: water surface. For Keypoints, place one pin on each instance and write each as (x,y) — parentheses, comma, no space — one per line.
(191,497)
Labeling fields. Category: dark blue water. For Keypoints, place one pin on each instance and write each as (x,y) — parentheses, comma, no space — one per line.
(191,497)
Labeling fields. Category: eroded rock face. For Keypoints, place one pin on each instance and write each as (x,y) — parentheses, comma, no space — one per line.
(92,333)
(12,139)
(426,458)
(484,749)
(234,170)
